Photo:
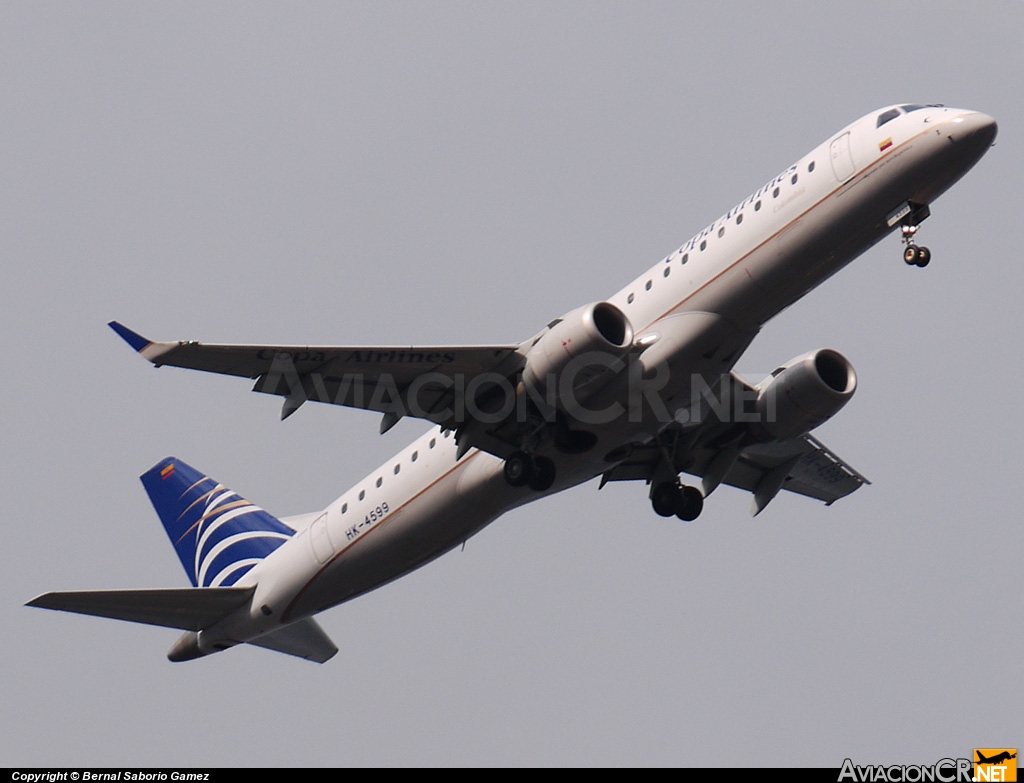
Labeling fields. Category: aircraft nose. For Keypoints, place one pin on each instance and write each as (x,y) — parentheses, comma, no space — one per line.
(980,128)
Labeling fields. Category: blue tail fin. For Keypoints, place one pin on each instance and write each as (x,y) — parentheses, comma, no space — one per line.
(217,534)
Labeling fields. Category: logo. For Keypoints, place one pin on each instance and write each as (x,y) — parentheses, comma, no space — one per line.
(995,764)
(226,546)
(943,771)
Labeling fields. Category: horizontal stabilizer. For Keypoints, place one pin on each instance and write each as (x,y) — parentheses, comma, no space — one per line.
(305,639)
(190,608)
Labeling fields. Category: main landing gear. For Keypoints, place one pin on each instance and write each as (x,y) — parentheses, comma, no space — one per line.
(522,469)
(670,497)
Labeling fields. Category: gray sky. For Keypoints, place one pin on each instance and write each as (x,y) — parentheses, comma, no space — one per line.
(462,173)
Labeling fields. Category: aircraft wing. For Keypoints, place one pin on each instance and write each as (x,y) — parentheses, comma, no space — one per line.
(715,452)
(419,381)
(803,465)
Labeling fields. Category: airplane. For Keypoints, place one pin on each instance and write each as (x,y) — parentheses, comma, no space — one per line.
(999,758)
(639,387)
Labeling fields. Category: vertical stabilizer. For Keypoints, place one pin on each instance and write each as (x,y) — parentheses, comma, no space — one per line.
(217,534)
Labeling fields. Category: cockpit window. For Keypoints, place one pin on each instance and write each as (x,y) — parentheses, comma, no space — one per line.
(912,107)
(885,116)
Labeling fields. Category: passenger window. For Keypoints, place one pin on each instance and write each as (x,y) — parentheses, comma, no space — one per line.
(739,218)
(630,298)
(810,166)
(647,286)
(686,257)
(886,116)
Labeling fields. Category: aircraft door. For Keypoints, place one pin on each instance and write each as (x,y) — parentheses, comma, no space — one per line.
(842,158)
(323,548)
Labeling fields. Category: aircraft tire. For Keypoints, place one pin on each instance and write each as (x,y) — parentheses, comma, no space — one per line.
(691,503)
(924,255)
(665,498)
(543,474)
(518,469)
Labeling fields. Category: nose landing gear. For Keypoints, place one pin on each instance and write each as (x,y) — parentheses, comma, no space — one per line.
(910,217)
(914,255)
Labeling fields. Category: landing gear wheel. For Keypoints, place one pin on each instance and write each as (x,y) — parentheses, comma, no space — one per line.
(665,498)
(913,215)
(543,474)
(691,503)
(916,255)
(518,469)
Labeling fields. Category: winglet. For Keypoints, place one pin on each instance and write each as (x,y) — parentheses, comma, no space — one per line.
(150,350)
(134,339)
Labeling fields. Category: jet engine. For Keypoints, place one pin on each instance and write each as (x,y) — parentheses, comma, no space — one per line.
(577,355)
(805,392)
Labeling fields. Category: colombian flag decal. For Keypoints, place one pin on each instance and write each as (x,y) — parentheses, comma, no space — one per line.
(884,145)
(167,472)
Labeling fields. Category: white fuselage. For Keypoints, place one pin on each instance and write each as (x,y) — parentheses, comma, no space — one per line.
(699,307)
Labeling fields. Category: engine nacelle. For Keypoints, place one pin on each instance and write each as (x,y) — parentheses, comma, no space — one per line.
(804,393)
(577,355)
